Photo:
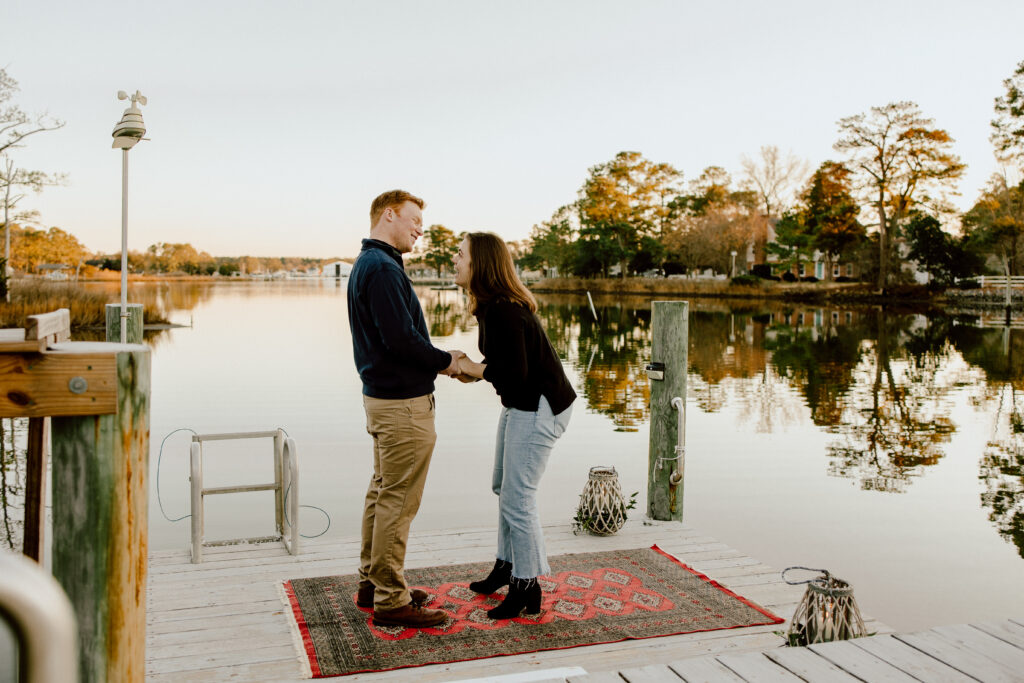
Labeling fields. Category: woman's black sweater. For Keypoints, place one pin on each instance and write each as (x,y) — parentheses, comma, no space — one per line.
(521,363)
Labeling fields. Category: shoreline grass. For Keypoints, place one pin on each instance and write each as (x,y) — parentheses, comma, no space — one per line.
(88,308)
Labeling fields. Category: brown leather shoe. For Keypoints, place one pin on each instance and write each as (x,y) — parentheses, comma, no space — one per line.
(364,598)
(410,616)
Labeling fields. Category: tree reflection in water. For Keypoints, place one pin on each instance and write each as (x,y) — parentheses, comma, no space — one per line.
(881,383)
(1000,353)
(895,418)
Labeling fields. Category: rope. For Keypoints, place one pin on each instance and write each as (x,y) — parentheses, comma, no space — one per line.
(828,576)
(159,499)
(160,458)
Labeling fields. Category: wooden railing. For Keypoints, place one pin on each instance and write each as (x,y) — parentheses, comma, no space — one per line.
(995,281)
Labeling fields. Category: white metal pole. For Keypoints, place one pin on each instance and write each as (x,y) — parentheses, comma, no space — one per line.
(124,246)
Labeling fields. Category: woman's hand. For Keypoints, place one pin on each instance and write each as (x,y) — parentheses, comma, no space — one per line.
(469,371)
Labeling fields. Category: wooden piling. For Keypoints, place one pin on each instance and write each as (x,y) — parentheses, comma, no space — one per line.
(134,323)
(100,479)
(670,324)
(35,489)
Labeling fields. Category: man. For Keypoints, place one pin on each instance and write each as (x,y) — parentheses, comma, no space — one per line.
(398,366)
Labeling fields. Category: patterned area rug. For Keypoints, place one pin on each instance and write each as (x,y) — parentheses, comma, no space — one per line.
(589,598)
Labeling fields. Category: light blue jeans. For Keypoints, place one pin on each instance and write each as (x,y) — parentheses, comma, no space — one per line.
(525,440)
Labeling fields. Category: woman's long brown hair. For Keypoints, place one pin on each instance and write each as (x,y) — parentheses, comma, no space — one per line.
(492,275)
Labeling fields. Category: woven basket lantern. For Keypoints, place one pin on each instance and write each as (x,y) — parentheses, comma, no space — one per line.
(828,611)
(602,509)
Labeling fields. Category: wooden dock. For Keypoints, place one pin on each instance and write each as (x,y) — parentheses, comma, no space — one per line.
(223,620)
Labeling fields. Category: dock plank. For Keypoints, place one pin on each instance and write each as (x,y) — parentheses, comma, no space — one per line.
(808,665)
(964,660)
(754,666)
(984,644)
(704,670)
(1004,630)
(651,673)
(910,660)
(860,662)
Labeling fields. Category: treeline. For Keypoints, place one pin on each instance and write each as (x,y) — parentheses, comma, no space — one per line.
(881,204)
(31,248)
(169,258)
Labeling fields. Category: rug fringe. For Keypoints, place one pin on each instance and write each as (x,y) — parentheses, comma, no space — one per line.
(293,628)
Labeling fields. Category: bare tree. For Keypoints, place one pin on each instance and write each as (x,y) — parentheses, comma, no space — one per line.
(899,159)
(15,124)
(773,178)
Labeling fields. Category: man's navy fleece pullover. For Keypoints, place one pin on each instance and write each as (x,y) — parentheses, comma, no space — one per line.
(390,342)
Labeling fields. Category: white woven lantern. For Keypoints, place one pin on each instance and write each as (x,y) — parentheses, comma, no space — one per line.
(602,509)
(828,611)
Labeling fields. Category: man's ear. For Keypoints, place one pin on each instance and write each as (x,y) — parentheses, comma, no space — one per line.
(389,214)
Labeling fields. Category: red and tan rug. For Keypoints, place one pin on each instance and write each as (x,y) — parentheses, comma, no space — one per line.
(589,598)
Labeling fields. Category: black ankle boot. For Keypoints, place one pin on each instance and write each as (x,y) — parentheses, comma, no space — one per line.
(498,577)
(523,597)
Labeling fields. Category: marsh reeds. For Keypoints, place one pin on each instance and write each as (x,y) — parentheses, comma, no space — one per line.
(32,296)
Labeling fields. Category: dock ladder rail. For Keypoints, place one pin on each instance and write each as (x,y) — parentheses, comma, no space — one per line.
(285,487)
(42,619)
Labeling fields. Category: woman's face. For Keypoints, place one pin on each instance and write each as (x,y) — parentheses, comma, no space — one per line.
(462,265)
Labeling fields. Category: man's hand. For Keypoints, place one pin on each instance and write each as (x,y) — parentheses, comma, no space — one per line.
(453,367)
(463,372)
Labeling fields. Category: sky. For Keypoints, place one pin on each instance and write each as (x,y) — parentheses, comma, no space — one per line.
(273,125)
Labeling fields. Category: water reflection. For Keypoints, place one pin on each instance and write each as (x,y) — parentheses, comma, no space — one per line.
(882,387)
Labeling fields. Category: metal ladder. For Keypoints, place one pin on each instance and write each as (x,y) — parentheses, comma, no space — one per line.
(285,487)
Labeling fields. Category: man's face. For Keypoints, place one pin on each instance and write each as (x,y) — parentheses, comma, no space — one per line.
(406,226)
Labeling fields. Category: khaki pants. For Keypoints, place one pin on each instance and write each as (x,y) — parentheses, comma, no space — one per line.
(403,441)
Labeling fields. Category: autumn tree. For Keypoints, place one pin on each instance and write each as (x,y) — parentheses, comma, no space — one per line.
(440,247)
(901,161)
(1008,125)
(830,212)
(620,203)
(32,248)
(711,220)
(995,224)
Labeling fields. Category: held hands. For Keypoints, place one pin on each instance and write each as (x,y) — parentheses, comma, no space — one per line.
(453,368)
(467,371)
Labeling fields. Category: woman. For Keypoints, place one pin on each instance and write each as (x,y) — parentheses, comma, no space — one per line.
(525,371)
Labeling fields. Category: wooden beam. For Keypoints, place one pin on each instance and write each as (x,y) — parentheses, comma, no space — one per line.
(35,489)
(56,325)
(41,385)
(100,507)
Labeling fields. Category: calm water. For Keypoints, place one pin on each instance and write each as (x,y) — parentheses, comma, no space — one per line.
(884,447)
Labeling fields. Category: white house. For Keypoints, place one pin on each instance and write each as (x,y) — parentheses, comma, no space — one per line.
(336,269)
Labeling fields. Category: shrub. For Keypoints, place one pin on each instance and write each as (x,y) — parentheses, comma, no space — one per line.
(745,280)
(788,276)
(970,283)
(673,268)
(809,278)
(761,270)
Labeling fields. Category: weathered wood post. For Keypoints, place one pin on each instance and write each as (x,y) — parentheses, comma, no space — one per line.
(134,323)
(669,324)
(100,479)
